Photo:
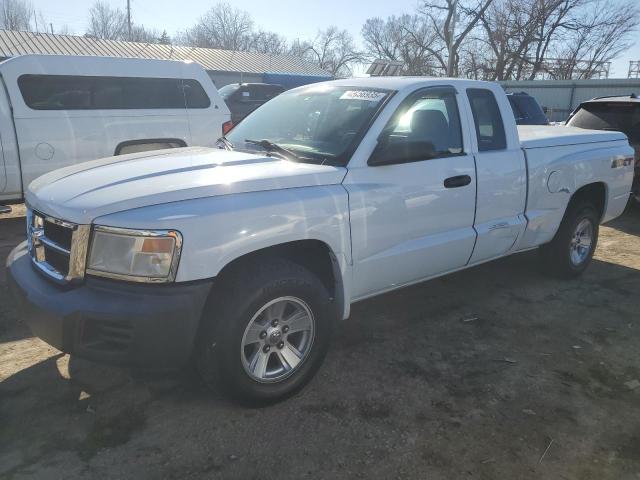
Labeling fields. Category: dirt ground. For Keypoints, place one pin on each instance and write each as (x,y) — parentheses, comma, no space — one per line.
(498,372)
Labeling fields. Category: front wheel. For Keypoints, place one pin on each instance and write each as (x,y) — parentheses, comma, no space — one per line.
(266,332)
(571,250)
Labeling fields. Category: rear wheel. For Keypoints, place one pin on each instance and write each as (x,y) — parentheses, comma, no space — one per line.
(571,250)
(266,332)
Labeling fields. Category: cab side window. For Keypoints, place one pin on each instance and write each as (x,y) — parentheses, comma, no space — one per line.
(425,126)
(487,119)
(433,121)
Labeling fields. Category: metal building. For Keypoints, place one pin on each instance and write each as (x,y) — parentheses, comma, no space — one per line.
(223,66)
(561,97)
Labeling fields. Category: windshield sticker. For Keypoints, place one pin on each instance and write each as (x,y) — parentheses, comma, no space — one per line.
(369,95)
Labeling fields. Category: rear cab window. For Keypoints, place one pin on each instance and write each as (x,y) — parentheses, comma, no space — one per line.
(526,110)
(487,119)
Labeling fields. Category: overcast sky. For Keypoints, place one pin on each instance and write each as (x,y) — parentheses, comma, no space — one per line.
(291,18)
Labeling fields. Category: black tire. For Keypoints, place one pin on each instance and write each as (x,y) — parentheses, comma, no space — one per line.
(231,308)
(557,253)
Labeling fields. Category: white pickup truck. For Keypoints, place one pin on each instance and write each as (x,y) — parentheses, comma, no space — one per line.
(242,257)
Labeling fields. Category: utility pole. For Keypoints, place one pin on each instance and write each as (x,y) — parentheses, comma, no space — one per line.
(452,37)
(129,19)
(51,25)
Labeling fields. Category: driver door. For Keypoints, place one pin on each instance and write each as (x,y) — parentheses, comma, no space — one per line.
(412,206)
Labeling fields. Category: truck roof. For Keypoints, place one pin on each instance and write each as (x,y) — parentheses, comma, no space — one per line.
(400,83)
(93,65)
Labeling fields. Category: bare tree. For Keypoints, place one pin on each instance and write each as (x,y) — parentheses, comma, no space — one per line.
(509,31)
(453,21)
(300,48)
(107,23)
(267,42)
(145,35)
(599,33)
(332,50)
(229,28)
(224,27)
(16,15)
(407,38)
(555,38)
(551,17)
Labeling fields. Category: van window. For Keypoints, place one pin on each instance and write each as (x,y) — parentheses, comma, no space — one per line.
(74,92)
(194,94)
(487,118)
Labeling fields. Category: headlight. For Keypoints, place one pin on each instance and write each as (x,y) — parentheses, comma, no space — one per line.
(134,255)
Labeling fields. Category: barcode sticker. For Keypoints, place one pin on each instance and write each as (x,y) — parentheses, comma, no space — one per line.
(369,95)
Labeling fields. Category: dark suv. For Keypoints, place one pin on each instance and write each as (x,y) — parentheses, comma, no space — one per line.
(619,113)
(244,98)
(526,109)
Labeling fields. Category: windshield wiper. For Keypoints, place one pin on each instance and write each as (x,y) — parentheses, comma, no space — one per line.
(269,146)
(225,141)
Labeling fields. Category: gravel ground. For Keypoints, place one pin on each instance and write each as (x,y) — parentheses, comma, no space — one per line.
(498,372)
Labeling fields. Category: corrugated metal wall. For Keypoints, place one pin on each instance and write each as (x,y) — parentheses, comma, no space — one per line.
(14,43)
(220,79)
(560,97)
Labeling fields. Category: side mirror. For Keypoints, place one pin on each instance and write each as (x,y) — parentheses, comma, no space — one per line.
(401,150)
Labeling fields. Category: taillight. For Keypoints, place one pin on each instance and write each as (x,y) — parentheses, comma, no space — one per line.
(226,127)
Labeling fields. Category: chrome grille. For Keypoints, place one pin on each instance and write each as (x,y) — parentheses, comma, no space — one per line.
(58,248)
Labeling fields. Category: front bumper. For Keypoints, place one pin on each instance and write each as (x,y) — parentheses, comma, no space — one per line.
(143,326)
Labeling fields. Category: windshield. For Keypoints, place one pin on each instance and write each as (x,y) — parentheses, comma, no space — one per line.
(227,90)
(318,122)
(620,116)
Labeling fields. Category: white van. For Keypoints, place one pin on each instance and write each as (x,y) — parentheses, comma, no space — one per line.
(60,110)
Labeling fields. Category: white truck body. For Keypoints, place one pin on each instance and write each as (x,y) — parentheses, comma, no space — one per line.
(39,135)
(516,202)
(259,249)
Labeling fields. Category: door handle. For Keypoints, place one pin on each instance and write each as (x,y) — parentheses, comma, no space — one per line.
(457,181)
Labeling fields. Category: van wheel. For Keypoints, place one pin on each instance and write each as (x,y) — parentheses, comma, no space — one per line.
(571,250)
(265,332)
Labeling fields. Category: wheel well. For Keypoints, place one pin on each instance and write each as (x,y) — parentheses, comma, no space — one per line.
(131,146)
(314,255)
(593,192)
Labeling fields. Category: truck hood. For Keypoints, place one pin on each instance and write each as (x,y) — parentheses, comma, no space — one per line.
(85,191)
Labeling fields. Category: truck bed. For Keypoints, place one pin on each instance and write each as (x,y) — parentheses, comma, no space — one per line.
(541,136)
